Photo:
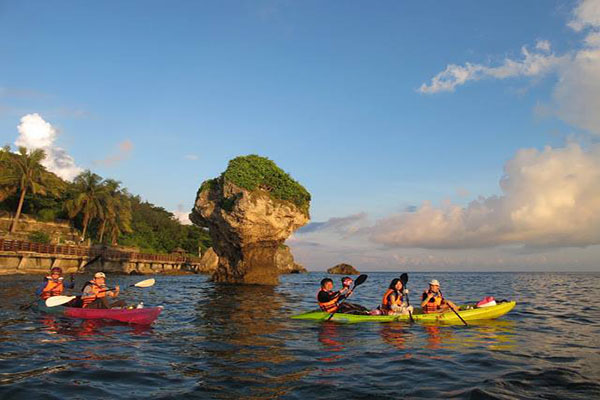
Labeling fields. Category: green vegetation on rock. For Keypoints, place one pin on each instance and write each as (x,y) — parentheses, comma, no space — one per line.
(254,172)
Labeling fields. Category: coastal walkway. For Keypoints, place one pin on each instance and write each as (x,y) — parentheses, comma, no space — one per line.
(23,257)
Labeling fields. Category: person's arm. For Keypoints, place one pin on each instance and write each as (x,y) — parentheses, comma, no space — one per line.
(426,297)
(114,293)
(40,289)
(70,284)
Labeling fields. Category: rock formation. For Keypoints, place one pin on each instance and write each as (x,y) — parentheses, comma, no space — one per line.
(250,210)
(343,269)
(285,262)
(208,263)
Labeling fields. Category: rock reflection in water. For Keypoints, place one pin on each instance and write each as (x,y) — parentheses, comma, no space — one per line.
(243,348)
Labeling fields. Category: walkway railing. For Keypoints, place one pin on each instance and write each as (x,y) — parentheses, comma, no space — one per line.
(82,251)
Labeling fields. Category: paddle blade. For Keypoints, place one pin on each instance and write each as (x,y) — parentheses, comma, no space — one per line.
(360,280)
(58,300)
(404,278)
(146,283)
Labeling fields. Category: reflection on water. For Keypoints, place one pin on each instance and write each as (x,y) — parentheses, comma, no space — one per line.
(222,341)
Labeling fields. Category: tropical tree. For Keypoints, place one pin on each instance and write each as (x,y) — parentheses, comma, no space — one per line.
(88,192)
(22,172)
(116,211)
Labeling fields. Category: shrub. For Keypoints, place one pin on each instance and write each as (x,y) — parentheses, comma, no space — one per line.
(255,172)
(39,237)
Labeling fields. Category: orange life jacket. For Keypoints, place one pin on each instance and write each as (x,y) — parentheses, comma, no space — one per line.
(52,288)
(386,303)
(328,306)
(97,293)
(434,304)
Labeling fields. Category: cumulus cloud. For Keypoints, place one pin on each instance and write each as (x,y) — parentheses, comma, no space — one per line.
(535,63)
(549,198)
(36,133)
(122,152)
(182,215)
(576,96)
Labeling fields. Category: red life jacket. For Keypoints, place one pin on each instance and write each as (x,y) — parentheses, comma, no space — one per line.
(97,293)
(52,288)
(328,306)
(434,304)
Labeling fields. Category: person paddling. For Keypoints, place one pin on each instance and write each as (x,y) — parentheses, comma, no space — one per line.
(53,284)
(393,300)
(95,293)
(329,301)
(433,301)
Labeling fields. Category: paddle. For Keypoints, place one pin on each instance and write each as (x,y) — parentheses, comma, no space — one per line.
(455,312)
(60,300)
(404,280)
(359,281)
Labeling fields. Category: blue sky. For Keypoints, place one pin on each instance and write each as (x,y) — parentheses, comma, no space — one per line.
(160,95)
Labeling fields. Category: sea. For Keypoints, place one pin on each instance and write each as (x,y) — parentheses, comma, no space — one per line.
(218,341)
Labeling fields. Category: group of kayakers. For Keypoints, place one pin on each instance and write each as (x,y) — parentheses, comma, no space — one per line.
(94,294)
(394,301)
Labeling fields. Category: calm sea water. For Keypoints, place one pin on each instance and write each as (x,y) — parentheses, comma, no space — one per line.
(226,342)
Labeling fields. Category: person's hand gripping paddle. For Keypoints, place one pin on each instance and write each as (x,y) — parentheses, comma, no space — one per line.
(359,281)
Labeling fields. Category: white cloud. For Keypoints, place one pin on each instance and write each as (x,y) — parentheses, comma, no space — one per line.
(576,95)
(550,198)
(532,64)
(36,133)
(543,45)
(181,215)
(585,15)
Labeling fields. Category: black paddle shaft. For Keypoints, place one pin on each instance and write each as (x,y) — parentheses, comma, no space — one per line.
(404,280)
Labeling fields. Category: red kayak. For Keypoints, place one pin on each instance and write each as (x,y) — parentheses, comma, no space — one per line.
(139,316)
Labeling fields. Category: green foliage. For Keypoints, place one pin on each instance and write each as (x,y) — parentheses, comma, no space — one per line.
(209,184)
(39,237)
(156,230)
(255,172)
(108,212)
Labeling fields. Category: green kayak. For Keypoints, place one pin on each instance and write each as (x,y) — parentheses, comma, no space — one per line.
(449,317)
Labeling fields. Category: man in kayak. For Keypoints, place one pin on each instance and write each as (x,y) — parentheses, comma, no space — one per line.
(331,301)
(433,301)
(393,300)
(95,293)
(53,284)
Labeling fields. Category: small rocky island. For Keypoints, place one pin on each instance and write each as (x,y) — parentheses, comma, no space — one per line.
(343,269)
(250,210)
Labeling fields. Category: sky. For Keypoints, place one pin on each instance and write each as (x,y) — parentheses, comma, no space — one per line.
(456,135)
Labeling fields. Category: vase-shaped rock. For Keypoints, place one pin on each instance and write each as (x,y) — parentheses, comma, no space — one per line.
(249,216)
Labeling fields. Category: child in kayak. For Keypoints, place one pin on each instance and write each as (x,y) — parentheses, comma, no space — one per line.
(433,301)
(393,300)
(53,284)
(95,293)
(331,301)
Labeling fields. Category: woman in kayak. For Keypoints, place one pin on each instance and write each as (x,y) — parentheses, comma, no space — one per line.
(53,284)
(331,301)
(95,293)
(393,300)
(433,301)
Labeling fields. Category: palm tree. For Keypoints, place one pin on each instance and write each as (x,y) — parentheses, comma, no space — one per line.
(108,201)
(87,199)
(119,220)
(23,171)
